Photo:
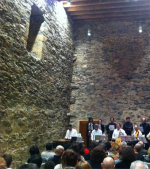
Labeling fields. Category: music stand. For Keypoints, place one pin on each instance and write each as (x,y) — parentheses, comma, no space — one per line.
(73,139)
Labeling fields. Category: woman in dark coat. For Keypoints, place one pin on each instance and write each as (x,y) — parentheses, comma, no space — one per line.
(101,126)
(89,129)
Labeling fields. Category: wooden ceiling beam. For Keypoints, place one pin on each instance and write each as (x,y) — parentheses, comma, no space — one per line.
(109,6)
(131,14)
(139,9)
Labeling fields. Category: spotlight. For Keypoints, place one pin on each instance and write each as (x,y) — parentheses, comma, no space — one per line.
(89,32)
(140,29)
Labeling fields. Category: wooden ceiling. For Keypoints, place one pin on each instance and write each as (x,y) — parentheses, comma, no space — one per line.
(107,10)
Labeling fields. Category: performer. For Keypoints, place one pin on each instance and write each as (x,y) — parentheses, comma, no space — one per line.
(118,131)
(70,132)
(89,129)
(110,128)
(101,126)
(96,131)
(128,126)
(145,126)
(137,132)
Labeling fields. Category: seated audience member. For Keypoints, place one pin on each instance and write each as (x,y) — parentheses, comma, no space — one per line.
(92,145)
(128,156)
(96,131)
(48,153)
(108,163)
(2,163)
(83,165)
(28,166)
(58,153)
(69,160)
(36,159)
(143,151)
(147,158)
(138,165)
(8,159)
(137,149)
(118,131)
(49,165)
(97,156)
(79,149)
(70,132)
(108,146)
(34,150)
(114,151)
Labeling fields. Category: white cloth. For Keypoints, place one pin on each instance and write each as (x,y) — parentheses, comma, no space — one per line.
(140,134)
(116,133)
(72,133)
(47,154)
(95,132)
(148,135)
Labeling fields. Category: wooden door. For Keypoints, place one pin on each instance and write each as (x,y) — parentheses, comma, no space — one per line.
(82,129)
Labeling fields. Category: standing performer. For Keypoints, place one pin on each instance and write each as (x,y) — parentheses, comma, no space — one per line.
(110,128)
(101,126)
(89,129)
(145,127)
(128,126)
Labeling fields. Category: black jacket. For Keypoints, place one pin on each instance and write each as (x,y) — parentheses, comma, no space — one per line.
(146,128)
(128,127)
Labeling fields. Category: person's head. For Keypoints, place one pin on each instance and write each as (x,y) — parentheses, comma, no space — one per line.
(90,119)
(28,166)
(143,120)
(115,148)
(70,127)
(93,144)
(49,146)
(127,119)
(69,158)
(100,121)
(137,148)
(59,150)
(8,159)
(83,165)
(136,128)
(138,165)
(96,126)
(78,148)
(2,163)
(108,163)
(112,119)
(97,154)
(141,143)
(108,145)
(118,126)
(128,154)
(103,145)
(34,150)
(49,165)
(121,148)
(36,159)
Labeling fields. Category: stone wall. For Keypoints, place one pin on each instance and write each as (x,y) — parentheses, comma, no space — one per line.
(35,85)
(112,71)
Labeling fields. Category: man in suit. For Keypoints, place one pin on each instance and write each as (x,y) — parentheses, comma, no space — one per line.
(128,126)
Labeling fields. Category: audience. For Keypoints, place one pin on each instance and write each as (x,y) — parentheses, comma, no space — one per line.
(36,159)
(128,156)
(138,165)
(143,151)
(58,153)
(49,165)
(2,163)
(114,151)
(8,159)
(48,153)
(28,166)
(108,146)
(83,165)
(137,149)
(108,163)
(69,159)
(97,156)
(147,158)
(34,150)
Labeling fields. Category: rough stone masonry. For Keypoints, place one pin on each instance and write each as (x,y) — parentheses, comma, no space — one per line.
(35,85)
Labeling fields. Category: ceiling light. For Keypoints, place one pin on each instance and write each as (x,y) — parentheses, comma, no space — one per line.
(89,32)
(140,29)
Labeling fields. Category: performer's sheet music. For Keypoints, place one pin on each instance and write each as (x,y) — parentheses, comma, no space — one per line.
(111,127)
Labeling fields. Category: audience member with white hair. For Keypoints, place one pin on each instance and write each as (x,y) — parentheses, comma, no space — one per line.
(138,165)
(108,163)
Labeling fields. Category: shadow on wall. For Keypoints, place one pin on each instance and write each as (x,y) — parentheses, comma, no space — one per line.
(36,19)
(125,53)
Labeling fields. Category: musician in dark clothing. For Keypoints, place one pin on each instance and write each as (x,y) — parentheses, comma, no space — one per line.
(128,126)
(89,129)
(110,128)
(146,127)
(101,126)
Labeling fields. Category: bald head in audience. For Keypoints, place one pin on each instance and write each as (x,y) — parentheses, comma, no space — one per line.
(108,163)
(59,150)
(137,148)
(138,165)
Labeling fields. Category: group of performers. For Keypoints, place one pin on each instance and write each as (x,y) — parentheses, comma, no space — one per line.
(114,130)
